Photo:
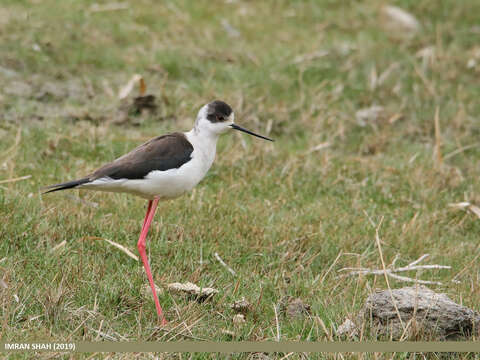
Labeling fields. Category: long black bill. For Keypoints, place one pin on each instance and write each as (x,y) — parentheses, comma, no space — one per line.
(236,127)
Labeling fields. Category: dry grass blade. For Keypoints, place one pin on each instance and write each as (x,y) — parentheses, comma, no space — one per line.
(377,240)
(322,324)
(309,57)
(108,7)
(475,209)
(79,326)
(142,87)
(193,320)
(428,85)
(11,151)
(276,322)
(59,246)
(15,179)
(465,205)
(391,271)
(230,270)
(421,258)
(460,205)
(318,147)
(468,266)
(401,18)
(417,281)
(331,267)
(127,89)
(386,73)
(123,248)
(438,140)
(185,329)
(460,150)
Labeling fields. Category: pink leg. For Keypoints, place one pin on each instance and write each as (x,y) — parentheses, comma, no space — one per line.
(152,206)
(146,215)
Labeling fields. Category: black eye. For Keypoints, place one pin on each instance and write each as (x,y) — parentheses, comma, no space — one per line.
(220,118)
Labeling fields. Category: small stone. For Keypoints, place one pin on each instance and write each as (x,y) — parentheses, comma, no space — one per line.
(348,328)
(50,90)
(297,308)
(368,116)
(294,307)
(8,72)
(241,306)
(199,294)
(230,30)
(471,63)
(239,319)
(228,332)
(3,284)
(258,356)
(18,88)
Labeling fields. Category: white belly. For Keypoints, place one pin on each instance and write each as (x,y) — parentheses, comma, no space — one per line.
(170,183)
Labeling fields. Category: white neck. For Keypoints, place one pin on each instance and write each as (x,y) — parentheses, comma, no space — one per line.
(204,136)
(204,145)
(203,139)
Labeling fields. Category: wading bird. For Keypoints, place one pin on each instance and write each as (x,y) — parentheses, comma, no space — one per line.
(163,168)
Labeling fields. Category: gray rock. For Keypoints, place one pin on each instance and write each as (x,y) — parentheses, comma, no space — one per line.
(18,88)
(294,308)
(422,311)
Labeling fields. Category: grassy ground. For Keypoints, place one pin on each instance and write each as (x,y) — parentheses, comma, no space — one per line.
(278,214)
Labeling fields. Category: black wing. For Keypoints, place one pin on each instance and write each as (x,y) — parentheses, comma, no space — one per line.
(161,153)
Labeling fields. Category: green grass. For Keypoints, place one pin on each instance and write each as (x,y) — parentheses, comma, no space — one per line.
(278,214)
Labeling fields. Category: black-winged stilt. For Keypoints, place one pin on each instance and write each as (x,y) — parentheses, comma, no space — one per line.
(163,168)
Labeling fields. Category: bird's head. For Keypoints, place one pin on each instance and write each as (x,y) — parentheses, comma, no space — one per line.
(217,118)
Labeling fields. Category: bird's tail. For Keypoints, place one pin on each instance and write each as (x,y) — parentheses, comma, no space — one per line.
(66,185)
